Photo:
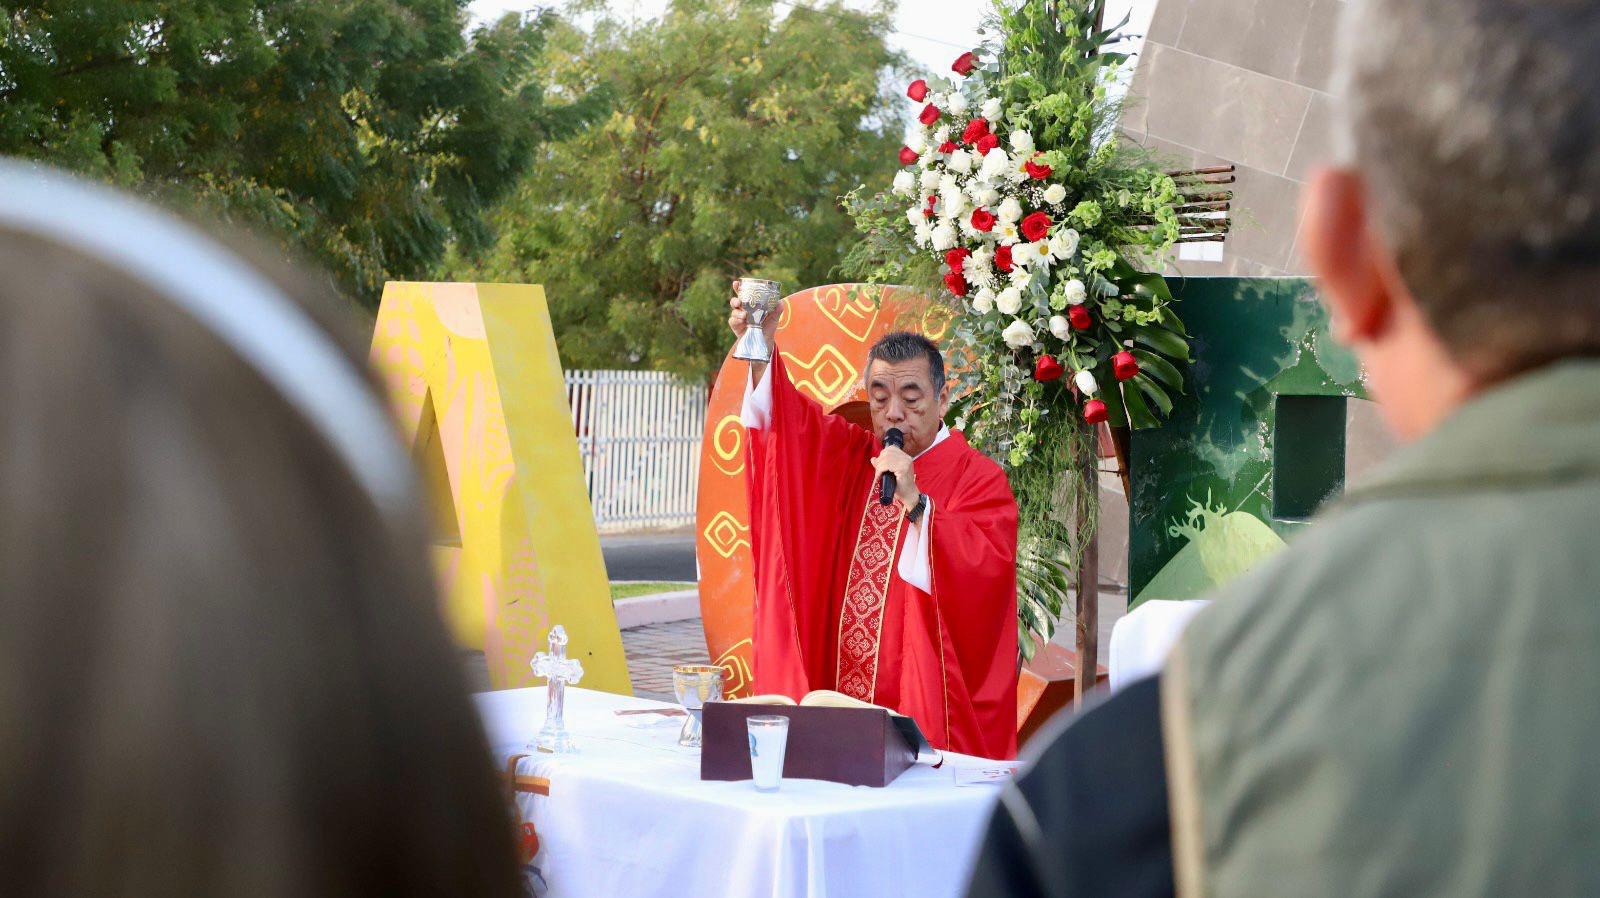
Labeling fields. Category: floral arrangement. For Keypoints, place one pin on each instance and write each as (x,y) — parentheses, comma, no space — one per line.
(1018,207)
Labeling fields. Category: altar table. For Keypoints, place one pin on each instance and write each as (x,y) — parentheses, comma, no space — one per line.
(628,816)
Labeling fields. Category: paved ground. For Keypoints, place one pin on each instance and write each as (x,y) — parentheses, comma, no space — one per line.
(651,556)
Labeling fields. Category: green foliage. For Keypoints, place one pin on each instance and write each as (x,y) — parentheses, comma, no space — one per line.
(370,134)
(732,136)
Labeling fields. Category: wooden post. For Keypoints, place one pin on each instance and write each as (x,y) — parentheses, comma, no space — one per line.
(1086,598)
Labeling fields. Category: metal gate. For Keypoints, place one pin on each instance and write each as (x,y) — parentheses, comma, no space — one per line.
(639,433)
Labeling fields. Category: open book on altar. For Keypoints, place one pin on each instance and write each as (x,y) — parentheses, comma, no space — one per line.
(827,698)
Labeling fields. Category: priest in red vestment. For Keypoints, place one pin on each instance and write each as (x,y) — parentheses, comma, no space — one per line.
(912,605)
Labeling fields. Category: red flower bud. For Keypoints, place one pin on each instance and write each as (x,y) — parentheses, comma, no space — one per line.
(1036,226)
(1002,258)
(956,283)
(1094,411)
(1046,369)
(947,147)
(930,114)
(1078,317)
(1123,364)
(917,90)
(974,130)
(908,156)
(987,142)
(964,64)
(982,220)
(955,257)
(1036,170)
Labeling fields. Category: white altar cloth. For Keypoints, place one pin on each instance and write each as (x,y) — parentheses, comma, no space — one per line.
(629,817)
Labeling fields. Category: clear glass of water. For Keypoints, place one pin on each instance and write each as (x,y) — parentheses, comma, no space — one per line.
(769,737)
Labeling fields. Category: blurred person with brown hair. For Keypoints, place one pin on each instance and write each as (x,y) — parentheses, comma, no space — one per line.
(1402,702)
(222,667)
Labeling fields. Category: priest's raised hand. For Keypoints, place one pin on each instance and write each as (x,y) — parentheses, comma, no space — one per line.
(910,605)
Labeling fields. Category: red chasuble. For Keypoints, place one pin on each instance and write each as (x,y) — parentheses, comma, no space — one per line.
(833,613)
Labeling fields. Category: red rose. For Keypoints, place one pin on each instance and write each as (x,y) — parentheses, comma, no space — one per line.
(956,283)
(947,147)
(1002,258)
(1036,170)
(964,64)
(1123,364)
(1078,317)
(987,142)
(982,220)
(918,90)
(955,257)
(930,114)
(927,213)
(975,129)
(1094,411)
(1046,369)
(908,156)
(1036,226)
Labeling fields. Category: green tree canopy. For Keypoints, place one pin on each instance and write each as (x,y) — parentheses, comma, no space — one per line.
(372,133)
(733,133)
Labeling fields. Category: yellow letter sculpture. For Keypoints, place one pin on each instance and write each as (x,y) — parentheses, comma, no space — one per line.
(474,377)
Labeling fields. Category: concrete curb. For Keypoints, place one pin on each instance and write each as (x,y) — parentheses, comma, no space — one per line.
(657,608)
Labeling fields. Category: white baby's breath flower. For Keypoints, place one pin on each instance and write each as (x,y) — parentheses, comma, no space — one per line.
(905,183)
(991,109)
(1085,382)
(1009,300)
(1018,335)
(944,237)
(1075,292)
(1054,194)
(1060,326)
(1010,211)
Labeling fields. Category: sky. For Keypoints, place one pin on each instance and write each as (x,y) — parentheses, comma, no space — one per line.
(931,32)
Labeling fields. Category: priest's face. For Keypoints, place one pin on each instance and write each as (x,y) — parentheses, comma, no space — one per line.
(901,394)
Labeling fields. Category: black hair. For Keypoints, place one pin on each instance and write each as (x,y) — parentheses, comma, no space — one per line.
(903,346)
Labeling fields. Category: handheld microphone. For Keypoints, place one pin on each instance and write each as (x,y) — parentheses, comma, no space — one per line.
(891,437)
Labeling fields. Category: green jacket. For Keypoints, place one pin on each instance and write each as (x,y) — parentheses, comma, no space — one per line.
(1407,701)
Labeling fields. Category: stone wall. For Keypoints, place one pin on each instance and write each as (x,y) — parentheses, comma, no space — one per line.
(1246,82)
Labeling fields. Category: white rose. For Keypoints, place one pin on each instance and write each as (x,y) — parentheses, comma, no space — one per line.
(995,163)
(958,104)
(1064,243)
(959,161)
(917,140)
(1021,142)
(905,183)
(915,216)
(1075,292)
(983,301)
(991,109)
(941,135)
(944,237)
(1010,211)
(1018,335)
(924,235)
(1086,382)
(930,180)
(952,204)
(1060,327)
(1009,300)
(983,195)
(1055,193)
(949,183)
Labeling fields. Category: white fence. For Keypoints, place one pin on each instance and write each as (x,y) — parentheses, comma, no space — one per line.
(639,433)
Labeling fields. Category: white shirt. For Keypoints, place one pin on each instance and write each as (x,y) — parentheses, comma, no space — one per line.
(915,567)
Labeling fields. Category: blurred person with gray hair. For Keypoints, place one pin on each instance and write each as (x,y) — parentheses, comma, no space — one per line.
(1401,702)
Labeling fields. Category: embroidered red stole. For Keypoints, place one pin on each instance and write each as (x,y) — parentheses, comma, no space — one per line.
(866,591)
